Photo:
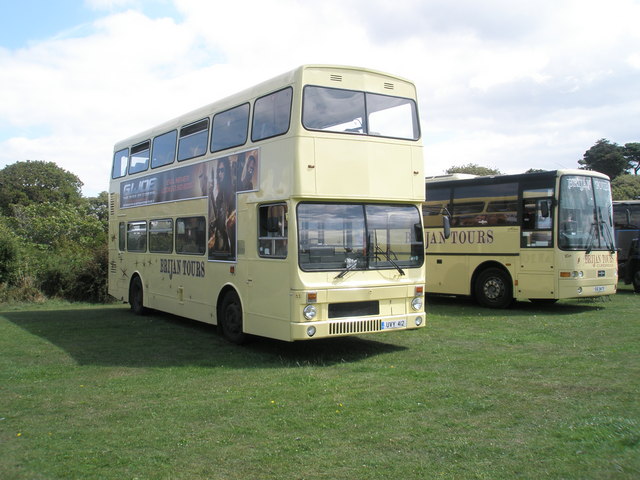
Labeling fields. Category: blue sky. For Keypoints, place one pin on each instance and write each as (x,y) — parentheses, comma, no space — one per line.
(504,84)
(26,21)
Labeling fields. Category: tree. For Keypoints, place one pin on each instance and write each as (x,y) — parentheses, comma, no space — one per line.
(631,153)
(53,225)
(535,170)
(37,181)
(626,187)
(605,157)
(473,169)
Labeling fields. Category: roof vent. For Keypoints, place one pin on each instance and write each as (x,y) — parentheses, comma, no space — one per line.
(335,78)
(389,86)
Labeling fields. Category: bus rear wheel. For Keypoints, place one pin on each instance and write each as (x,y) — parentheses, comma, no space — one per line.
(136,296)
(493,288)
(231,319)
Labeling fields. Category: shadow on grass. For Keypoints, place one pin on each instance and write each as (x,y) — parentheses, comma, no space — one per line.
(116,337)
(452,306)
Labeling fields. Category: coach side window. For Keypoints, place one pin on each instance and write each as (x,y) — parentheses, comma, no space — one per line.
(537,218)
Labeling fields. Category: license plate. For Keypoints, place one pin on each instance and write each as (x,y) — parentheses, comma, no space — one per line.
(599,289)
(389,324)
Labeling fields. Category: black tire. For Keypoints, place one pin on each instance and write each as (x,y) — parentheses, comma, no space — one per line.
(231,319)
(136,298)
(493,288)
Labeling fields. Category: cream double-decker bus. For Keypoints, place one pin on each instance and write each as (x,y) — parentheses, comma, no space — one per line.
(538,236)
(290,210)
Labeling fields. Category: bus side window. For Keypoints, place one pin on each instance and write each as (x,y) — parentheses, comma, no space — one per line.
(272,240)
(536,222)
(139,160)
(137,237)
(271,115)
(120,161)
(191,235)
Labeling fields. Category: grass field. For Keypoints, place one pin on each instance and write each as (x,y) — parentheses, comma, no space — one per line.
(93,392)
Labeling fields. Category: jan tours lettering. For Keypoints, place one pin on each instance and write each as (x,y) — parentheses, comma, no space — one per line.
(462,237)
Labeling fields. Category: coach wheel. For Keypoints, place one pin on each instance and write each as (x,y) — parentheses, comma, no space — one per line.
(231,319)
(135,296)
(493,288)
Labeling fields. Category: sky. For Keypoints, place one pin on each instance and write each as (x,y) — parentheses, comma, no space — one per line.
(505,84)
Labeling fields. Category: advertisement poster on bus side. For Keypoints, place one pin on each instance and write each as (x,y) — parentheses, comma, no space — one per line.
(219,180)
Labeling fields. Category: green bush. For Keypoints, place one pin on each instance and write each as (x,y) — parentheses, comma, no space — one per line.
(75,273)
(8,255)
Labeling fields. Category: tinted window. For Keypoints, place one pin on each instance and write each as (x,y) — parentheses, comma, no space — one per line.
(352,111)
(120,160)
(164,149)
(137,236)
(193,140)
(139,160)
(271,115)
(230,128)
(191,235)
(161,236)
(272,241)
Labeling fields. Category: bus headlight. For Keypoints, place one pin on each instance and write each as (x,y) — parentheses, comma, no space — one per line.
(311,331)
(416,303)
(310,312)
(418,321)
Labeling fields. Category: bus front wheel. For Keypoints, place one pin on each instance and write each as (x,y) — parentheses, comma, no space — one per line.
(493,288)
(231,319)
(136,296)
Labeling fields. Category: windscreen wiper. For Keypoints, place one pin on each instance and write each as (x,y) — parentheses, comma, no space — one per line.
(388,257)
(350,263)
(604,226)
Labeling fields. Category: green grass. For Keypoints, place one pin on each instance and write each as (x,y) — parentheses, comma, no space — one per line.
(93,392)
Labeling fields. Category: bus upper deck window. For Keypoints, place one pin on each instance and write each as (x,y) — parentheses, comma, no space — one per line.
(120,161)
(139,160)
(271,115)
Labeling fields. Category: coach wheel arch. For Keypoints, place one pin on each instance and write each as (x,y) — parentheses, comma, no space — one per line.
(492,286)
(230,317)
(136,295)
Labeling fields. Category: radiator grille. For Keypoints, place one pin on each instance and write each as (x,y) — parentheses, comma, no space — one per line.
(359,326)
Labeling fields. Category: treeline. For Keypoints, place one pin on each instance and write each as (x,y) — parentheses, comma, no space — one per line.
(53,241)
(620,162)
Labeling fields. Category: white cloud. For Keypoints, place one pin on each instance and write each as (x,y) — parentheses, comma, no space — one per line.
(504,84)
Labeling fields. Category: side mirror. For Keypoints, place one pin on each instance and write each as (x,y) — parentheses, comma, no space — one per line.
(544,209)
(446,225)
